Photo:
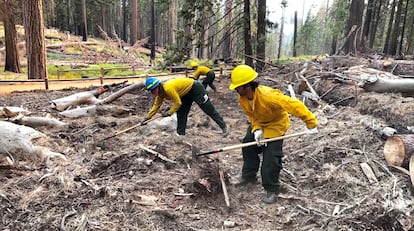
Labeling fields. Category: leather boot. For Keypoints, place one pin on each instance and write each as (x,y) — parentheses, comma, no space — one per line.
(244,182)
(269,197)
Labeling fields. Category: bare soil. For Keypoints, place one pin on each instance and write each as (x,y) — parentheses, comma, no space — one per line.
(116,185)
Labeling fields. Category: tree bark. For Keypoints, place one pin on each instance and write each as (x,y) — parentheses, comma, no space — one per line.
(396,30)
(12,62)
(134,22)
(84,22)
(247,34)
(226,51)
(35,39)
(387,42)
(355,20)
(261,35)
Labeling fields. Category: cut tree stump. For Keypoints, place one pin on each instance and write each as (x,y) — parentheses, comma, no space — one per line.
(398,149)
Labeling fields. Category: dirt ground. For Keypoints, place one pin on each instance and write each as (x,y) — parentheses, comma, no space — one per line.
(117,185)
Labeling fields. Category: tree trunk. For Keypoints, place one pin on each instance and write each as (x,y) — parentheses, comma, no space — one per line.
(152,32)
(279,50)
(261,34)
(387,42)
(34,34)
(400,46)
(247,34)
(226,54)
(12,62)
(103,17)
(396,30)
(84,22)
(355,19)
(295,34)
(124,21)
(368,20)
(70,21)
(410,39)
(374,24)
(134,22)
(172,22)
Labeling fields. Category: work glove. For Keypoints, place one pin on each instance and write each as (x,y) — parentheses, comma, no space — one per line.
(311,131)
(165,114)
(258,135)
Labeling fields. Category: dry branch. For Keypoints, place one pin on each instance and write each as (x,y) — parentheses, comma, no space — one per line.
(367,170)
(162,157)
(224,187)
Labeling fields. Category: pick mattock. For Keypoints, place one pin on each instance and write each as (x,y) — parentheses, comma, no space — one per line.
(130,128)
(196,152)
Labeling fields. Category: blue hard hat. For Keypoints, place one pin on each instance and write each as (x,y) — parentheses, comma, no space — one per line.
(151,83)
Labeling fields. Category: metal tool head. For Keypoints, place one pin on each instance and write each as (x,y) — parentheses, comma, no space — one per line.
(194,152)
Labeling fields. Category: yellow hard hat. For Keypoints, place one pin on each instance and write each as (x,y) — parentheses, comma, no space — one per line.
(193,64)
(241,75)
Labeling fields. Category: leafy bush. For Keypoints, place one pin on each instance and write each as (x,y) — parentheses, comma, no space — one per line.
(172,56)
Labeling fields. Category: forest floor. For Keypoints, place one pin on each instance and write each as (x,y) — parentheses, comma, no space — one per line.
(117,185)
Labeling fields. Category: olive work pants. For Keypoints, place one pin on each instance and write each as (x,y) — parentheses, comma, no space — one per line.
(209,80)
(271,163)
(197,94)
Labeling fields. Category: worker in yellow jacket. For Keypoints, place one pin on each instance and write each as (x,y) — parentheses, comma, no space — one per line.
(183,92)
(268,111)
(203,70)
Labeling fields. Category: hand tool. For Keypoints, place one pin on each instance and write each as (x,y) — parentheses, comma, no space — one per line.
(132,127)
(196,152)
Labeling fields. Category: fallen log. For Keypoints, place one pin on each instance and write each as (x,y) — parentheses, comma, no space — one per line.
(398,149)
(8,112)
(115,111)
(396,111)
(16,141)
(87,97)
(122,92)
(36,121)
(379,81)
(381,85)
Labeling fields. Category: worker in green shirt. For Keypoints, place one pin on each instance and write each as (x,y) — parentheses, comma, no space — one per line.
(203,70)
(182,92)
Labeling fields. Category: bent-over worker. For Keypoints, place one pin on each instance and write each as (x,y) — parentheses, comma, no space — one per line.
(203,70)
(268,112)
(183,92)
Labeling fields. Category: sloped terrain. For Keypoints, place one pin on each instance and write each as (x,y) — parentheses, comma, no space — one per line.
(116,185)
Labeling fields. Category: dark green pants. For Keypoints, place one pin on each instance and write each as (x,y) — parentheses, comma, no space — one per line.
(209,80)
(271,163)
(197,94)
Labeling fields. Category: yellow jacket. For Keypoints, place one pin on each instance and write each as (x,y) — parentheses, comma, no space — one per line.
(201,70)
(269,110)
(173,90)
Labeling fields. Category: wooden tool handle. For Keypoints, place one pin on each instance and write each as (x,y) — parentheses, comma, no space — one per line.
(228,148)
(133,127)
